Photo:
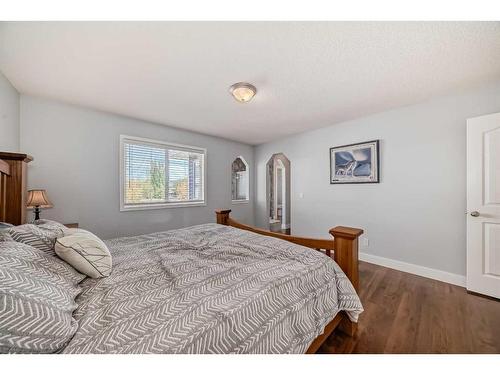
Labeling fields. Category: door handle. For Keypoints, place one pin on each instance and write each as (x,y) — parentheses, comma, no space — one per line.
(474,213)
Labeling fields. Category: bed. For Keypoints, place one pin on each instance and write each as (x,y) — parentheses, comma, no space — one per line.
(222,287)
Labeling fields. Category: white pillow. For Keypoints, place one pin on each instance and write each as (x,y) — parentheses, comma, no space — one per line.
(70,231)
(85,252)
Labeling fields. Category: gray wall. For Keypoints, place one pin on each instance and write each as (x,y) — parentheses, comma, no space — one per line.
(76,159)
(417,213)
(9,116)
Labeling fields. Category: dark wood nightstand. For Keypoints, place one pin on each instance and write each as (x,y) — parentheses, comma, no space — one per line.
(71,225)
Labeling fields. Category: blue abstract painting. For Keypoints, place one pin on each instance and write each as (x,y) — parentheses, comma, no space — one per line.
(356,163)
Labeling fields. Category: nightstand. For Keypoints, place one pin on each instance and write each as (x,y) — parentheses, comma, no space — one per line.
(71,225)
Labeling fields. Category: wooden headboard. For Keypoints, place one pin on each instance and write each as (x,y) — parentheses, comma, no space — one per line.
(13,181)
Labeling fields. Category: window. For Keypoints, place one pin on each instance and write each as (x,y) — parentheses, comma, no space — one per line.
(156,174)
(240,180)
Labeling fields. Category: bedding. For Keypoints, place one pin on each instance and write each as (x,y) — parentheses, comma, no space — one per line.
(37,299)
(210,289)
(42,236)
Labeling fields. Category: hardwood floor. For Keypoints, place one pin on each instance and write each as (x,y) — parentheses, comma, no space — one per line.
(405,313)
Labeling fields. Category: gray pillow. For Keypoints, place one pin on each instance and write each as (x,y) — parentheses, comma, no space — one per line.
(5,225)
(43,237)
(37,295)
(4,234)
(51,225)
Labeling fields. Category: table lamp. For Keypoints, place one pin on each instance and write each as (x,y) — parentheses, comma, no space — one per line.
(38,199)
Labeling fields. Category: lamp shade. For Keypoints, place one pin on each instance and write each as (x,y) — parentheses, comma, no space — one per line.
(38,198)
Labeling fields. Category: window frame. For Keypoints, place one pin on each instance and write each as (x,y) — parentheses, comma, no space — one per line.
(239,201)
(156,206)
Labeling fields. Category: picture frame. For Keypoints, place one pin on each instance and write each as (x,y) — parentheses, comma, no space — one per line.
(357,163)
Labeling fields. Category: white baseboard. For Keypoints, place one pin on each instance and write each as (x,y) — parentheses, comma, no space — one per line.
(431,273)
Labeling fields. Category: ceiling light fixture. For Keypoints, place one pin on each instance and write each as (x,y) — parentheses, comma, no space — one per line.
(243,92)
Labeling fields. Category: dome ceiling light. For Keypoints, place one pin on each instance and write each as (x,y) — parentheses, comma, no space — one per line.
(243,92)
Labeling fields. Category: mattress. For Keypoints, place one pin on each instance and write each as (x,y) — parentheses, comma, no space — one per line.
(210,289)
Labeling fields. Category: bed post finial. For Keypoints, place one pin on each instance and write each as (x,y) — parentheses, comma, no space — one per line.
(223,216)
(345,244)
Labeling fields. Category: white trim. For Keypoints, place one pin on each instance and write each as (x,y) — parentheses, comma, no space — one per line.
(284,208)
(157,206)
(431,273)
(156,142)
(279,166)
(154,206)
(240,201)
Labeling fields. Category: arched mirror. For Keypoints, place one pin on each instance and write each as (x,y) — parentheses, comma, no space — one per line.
(240,181)
(278,193)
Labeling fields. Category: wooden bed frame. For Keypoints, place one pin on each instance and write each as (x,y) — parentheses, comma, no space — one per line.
(13,168)
(13,181)
(345,252)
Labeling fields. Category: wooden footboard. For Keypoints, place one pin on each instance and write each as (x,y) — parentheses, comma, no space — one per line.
(345,252)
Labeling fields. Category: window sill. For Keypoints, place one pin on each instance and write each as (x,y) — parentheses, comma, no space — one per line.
(240,201)
(160,206)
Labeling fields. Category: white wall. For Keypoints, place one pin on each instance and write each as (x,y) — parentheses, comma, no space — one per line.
(417,213)
(76,159)
(9,116)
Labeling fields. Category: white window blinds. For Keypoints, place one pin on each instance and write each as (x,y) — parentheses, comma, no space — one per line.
(157,174)
(185,180)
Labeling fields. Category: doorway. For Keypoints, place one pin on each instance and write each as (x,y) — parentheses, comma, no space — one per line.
(278,193)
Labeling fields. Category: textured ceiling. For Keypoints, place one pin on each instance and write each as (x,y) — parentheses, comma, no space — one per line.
(308,74)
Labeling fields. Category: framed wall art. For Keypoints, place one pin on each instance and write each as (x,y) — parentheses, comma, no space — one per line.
(355,164)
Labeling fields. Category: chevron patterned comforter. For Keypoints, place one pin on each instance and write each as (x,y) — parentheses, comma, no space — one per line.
(210,289)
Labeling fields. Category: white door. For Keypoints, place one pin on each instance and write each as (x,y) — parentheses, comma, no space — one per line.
(483,205)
